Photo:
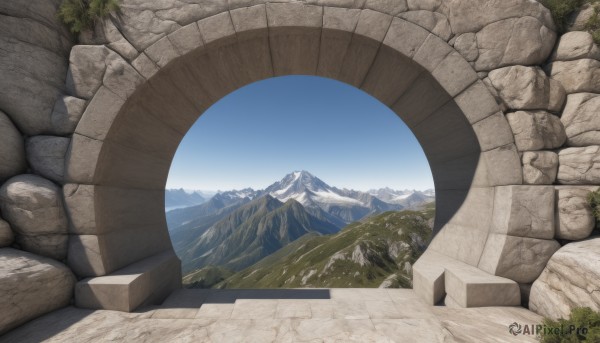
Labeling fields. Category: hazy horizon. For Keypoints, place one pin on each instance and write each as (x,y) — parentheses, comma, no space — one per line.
(259,133)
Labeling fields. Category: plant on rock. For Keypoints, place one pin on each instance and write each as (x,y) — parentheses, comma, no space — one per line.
(80,15)
(583,325)
(594,201)
(563,9)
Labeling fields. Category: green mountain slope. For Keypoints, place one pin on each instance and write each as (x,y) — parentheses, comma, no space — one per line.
(379,250)
(252,232)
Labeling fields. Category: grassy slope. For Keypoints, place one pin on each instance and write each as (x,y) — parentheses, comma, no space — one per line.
(386,245)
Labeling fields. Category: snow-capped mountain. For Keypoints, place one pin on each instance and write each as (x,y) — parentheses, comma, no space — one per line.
(407,198)
(339,207)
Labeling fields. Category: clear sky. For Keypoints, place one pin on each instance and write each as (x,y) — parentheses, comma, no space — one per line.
(261,132)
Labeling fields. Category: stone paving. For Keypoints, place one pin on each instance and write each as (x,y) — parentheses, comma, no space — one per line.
(300,315)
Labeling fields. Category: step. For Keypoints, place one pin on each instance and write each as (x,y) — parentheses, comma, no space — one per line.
(148,281)
(469,286)
(436,276)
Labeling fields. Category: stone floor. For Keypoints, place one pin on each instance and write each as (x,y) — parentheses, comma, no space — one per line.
(303,315)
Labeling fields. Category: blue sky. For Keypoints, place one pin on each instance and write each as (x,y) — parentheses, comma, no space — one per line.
(261,132)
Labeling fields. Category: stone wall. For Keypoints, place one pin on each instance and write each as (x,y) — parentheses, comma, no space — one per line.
(523,113)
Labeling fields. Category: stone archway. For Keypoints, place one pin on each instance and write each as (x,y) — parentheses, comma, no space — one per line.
(464,76)
(121,151)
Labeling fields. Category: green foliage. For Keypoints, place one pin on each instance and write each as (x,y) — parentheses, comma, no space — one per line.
(310,262)
(594,201)
(80,15)
(593,24)
(582,326)
(561,10)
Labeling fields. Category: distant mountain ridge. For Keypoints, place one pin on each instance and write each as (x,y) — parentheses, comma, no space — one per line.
(180,198)
(251,232)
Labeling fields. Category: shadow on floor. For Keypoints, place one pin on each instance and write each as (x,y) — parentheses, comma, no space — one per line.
(193,298)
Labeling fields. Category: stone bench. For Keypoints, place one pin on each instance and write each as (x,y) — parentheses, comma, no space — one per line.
(437,276)
(148,281)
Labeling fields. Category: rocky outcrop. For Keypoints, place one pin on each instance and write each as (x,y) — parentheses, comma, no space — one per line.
(30,286)
(574,217)
(527,88)
(33,63)
(12,150)
(581,119)
(575,45)
(6,235)
(571,279)
(34,208)
(579,166)
(536,130)
(577,76)
(539,167)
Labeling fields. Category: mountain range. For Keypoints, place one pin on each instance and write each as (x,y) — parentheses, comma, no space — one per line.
(376,252)
(235,229)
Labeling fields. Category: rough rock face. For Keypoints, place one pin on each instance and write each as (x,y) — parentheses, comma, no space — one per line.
(34,208)
(46,155)
(31,286)
(575,45)
(571,279)
(574,217)
(579,19)
(536,130)
(12,150)
(527,88)
(539,167)
(581,119)
(524,211)
(579,166)
(6,235)
(577,76)
(524,41)
(33,64)
(521,259)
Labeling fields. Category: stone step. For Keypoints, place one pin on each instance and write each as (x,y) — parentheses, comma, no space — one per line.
(148,281)
(436,276)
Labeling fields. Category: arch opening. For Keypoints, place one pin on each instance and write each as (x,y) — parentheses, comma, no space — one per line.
(120,154)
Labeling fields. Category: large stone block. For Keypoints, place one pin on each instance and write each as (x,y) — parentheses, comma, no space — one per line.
(521,40)
(579,166)
(527,88)
(33,65)
(521,259)
(539,167)
(577,76)
(34,208)
(576,45)
(294,31)
(30,286)
(12,149)
(86,70)
(536,130)
(148,281)
(581,120)
(574,216)
(46,156)
(472,16)
(338,28)
(524,211)
(469,286)
(571,279)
